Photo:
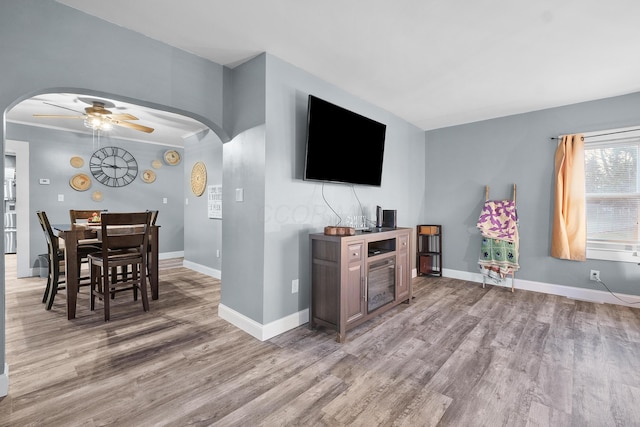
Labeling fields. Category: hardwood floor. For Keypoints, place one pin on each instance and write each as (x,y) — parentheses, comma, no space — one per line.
(459,355)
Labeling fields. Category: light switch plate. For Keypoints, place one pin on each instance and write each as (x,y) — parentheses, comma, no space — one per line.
(61,197)
(44,181)
(239,194)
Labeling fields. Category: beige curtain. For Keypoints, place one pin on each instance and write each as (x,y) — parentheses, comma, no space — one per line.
(569,235)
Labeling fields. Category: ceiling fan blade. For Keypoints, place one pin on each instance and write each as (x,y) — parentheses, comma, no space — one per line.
(133,126)
(60,106)
(56,116)
(123,116)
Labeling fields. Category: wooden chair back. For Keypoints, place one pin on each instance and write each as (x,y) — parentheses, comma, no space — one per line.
(55,257)
(128,230)
(154,217)
(52,240)
(125,239)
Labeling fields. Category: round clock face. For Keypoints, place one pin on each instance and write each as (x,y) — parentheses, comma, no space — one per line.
(114,167)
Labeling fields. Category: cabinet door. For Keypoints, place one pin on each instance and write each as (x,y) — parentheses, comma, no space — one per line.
(402,268)
(355,283)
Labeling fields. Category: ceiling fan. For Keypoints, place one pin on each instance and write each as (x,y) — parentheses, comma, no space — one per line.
(97,117)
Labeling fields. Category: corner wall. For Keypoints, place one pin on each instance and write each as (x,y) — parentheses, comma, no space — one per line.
(202,235)
(461,160)
(42,51)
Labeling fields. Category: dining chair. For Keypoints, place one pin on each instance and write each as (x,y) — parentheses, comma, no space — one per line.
(56,257)
(125,240)
(154,217)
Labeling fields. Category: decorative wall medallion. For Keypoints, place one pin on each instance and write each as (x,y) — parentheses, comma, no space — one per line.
(156,164)
(171,157)
(97,196)
(148,176)
(198,178)
(80,182)
(76,162)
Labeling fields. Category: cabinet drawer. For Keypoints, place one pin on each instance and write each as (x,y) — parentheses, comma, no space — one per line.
(403,243)
(355,252)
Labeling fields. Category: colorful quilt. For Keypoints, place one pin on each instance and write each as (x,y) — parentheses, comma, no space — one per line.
(498,224)
(499,255)
(499,219)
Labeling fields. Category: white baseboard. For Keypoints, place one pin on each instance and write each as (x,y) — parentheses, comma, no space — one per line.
(35,271)
(4,381)
(202,269)
(572,292)
(258,330)
(170,255)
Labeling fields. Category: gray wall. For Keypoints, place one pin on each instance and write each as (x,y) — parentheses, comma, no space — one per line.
(293,208)
(243,168)
(43,49)
(265,237)
(203,235)
(461,160)
(49,155)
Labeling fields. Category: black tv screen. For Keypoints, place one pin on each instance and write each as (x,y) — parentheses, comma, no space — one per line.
(342,146)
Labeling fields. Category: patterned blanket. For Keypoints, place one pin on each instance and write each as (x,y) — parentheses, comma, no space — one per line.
(499,255)
(499,220)
(498,224)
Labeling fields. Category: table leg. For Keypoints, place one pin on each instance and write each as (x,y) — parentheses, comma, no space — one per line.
(71,271)
(152,260)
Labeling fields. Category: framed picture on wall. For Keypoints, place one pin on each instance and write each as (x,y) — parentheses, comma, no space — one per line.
(214,201)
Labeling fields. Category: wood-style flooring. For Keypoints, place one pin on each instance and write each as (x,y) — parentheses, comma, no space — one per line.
(459,355)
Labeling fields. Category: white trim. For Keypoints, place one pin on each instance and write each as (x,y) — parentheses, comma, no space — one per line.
(612,134)
(202,269)
(590,295)
(258,330)
(4,381)
(23,254)
(33,271)
(613,255)
(87,132)
(170,255)
(414,272)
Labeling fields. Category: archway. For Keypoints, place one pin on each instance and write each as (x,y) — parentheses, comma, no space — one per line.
(26,255)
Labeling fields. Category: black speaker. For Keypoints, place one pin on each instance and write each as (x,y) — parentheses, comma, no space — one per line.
(389,218)
(378,217)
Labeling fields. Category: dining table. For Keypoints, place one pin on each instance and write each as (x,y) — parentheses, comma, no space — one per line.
(77,234)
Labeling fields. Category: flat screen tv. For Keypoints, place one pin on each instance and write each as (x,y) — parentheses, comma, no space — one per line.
(342,146)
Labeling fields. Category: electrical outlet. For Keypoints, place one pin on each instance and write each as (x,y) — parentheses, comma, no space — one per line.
(595,275)
(294,286)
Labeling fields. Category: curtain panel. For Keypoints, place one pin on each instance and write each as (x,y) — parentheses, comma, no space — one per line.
(569,233)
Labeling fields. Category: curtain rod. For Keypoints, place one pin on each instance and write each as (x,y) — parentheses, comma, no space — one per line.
(604,134)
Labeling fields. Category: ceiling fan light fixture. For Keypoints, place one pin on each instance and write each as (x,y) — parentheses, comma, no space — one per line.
(98,123)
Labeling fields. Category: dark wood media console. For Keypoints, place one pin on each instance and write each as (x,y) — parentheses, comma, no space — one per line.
(354,278)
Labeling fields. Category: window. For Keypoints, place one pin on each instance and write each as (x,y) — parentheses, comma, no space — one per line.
(612,185)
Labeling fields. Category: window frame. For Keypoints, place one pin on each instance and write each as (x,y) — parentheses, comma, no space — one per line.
(609,251)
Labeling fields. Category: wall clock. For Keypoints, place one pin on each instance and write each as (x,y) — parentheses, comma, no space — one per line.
(113,166)
(198,178)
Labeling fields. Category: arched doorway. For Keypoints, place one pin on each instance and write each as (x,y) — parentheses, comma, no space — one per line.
(64,112)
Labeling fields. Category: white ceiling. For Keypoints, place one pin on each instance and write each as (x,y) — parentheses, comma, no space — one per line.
(435,63)
(169,128)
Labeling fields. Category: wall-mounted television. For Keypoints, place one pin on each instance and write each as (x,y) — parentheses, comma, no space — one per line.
(342,146)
